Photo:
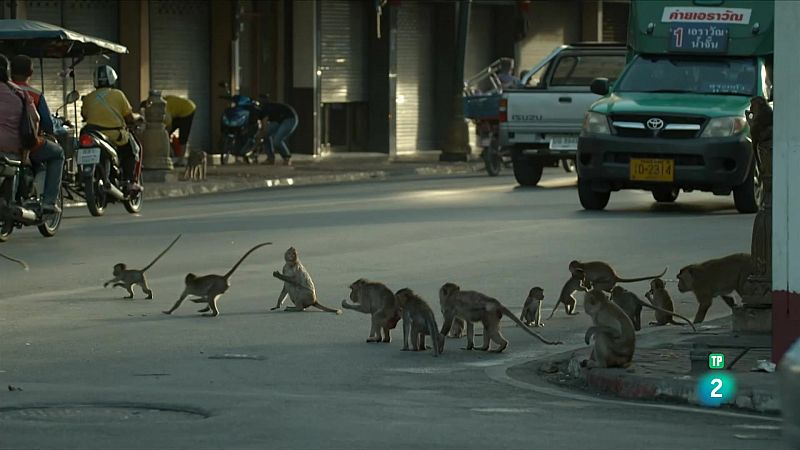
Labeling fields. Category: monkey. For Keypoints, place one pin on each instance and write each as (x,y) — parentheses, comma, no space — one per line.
(602,276)
(459,328)
(760,121)
(715,277)
(127,278)
(614,336)
(297,284)
(632,305)
(659,296)
(566,297)
(418,321)
(22,264)
(532,309)
(473,307)
(208,288)
(196,165)
(377,300)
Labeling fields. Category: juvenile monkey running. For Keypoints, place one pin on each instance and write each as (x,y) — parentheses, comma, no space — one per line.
(208,288)
(297,284)
(127,278)
(601,276)
(566,297)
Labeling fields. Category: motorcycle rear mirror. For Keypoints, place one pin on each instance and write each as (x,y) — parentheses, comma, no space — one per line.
(72,97)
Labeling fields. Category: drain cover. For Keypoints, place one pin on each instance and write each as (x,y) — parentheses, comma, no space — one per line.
(102,413)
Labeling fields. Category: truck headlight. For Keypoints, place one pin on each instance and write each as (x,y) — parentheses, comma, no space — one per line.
(724,127)
(595,123)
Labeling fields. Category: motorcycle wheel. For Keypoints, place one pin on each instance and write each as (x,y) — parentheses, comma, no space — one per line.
(493,161)
(50,227)
(568,165)
(134,205)
(96,195)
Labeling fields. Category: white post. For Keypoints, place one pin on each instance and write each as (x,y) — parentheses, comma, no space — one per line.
(786,215)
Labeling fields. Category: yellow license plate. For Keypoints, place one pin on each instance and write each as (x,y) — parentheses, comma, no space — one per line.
(652,169)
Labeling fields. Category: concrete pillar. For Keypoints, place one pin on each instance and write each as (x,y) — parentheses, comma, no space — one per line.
(786,185)
(592,20)
(304,92)
(221,63)
(457,146)
(134,68)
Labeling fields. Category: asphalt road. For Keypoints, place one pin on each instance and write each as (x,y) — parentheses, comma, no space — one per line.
(97,371)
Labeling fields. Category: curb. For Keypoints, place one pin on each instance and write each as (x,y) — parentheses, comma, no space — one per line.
(624,384)
(214,185)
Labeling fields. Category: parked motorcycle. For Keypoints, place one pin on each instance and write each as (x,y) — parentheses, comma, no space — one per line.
(101,172)
(240,128)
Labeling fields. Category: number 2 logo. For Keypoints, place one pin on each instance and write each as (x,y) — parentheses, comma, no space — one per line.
(715,392)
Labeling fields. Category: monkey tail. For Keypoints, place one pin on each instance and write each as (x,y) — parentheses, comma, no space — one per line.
(656,308)
(511,315)
(236,266)
(162,253)
(20,262)
(555,307)
(652,277)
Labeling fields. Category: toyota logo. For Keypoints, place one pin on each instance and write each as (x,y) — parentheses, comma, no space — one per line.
(655,123)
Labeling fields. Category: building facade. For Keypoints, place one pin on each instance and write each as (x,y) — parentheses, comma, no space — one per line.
(363,78)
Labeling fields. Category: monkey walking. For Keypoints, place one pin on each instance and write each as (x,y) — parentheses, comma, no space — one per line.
(127,278)
(297,284)
(659,296)
(631,304)
(473,307)
(532,309)
(715,277)
(601,276)
(377,300)
(196,165)
(208,288)
(612,329)
(566,297)
(418,321)
(22,264)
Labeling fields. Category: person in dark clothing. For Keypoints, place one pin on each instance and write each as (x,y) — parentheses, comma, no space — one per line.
(281,123)
(21,73)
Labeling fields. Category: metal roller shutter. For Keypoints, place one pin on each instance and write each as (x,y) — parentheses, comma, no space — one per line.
(415,78)
(98,18)
(615,21)
(343,47)
(180,58)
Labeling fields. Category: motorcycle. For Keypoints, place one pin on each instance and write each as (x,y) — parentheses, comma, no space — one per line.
(101,171)
(240,128)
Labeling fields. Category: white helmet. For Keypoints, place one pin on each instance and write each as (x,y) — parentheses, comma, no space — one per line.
(104,76)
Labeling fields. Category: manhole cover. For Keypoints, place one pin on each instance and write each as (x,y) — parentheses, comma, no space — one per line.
(102,413)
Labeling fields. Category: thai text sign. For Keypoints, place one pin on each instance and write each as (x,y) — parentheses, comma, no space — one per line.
(738,16)
(698,37)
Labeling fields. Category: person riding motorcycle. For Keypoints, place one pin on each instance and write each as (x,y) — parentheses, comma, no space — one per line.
(44,154)
(108,110)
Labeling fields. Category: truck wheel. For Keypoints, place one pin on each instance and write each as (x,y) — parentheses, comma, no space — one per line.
(747,196)
(528,172)
(666,195)
(591,199)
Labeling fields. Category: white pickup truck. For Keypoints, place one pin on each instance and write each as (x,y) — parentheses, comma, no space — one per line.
(541,120)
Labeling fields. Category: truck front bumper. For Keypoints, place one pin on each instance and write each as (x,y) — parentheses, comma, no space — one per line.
(710,164)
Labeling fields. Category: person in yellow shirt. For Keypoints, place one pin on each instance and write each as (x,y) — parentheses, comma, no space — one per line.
(180,114)
(109,111)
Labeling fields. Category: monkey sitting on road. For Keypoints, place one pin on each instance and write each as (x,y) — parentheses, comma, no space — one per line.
(715,277)
(418,321)
(614,336)
(208,288)
(127,278)
(566,298)
(601,276)
(532,309)
(632,305)
(379,302)
(659,296)
(473,307)
(297,284)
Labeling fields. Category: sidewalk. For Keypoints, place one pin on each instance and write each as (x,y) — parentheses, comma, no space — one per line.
(305,170)
(661,370)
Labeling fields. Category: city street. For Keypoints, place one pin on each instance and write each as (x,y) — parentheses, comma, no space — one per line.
(107,372)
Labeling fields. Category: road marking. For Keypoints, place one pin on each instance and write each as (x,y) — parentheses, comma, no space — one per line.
(507,410)
(421,370)
(747,426)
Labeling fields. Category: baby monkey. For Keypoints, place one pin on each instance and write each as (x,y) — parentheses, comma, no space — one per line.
(127,278)
(532,309)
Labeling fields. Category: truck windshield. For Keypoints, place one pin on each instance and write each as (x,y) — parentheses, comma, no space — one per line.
(722,76)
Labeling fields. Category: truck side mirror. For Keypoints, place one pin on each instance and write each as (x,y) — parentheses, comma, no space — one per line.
(599,86)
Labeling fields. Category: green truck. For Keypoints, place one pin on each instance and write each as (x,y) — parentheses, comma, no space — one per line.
(675,118)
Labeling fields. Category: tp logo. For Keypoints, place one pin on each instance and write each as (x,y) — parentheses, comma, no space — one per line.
(718,386)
